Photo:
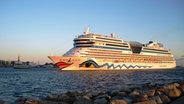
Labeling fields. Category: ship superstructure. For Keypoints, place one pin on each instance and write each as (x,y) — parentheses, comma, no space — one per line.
(98,52)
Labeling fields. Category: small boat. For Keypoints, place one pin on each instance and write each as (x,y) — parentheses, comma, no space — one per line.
(21,65)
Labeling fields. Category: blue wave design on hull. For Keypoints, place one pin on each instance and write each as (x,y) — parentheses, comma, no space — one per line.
(123,65)
(109,66)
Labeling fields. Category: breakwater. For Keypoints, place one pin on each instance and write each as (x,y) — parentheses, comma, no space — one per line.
(145,94)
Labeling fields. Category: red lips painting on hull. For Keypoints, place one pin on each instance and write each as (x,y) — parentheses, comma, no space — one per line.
(62,64)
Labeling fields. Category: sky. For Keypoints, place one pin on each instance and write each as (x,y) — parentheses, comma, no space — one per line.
(35,29)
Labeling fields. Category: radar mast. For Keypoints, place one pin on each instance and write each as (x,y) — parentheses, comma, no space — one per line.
(86,31)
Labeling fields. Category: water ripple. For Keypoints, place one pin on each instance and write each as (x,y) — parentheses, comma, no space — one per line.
(41,82)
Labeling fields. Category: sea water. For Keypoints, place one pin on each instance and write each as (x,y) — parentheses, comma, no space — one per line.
(39,82)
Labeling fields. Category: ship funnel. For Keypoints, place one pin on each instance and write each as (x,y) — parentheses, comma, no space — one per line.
(86,30)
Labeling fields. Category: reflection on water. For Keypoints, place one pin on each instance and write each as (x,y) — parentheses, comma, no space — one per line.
(40,82)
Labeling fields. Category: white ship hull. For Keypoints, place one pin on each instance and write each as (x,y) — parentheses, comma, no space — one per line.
(76,63)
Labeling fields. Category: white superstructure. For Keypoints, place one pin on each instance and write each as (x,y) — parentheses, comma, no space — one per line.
(98,52)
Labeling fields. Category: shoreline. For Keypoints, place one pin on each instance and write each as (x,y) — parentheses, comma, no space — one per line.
(148,93)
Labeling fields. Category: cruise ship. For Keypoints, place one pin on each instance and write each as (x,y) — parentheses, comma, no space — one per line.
(93,51)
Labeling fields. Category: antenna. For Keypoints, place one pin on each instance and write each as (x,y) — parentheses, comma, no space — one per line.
(86,30)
